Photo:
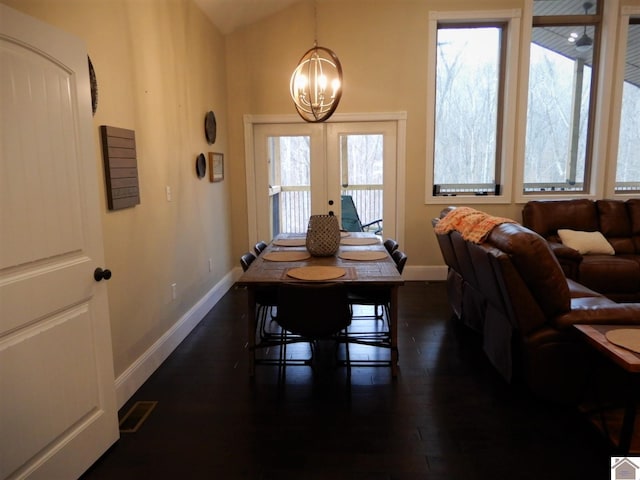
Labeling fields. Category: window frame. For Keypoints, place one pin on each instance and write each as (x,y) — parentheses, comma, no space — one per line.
(595,20)
(602,167)
(626,14)
(507,106)
(502,59)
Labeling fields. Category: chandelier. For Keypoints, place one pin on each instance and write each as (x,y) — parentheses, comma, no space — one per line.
(316,84)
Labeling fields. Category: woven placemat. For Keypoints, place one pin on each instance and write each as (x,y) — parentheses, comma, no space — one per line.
(359,241)
(363,256)
(286,256)
(290,242)
(628,338)
(316,273)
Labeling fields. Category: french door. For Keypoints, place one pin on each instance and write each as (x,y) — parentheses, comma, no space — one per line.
(305,169)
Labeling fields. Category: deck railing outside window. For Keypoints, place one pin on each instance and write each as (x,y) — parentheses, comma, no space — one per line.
(295,204)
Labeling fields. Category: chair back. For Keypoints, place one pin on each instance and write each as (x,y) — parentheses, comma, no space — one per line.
(400,258)
(350,219)
(391,245)
(246,260)
(317,310)
(260,246)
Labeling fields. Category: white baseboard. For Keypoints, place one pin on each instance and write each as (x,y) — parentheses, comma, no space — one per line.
(139,371)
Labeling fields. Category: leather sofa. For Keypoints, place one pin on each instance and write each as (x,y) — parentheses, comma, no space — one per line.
(616,276)
(512,290)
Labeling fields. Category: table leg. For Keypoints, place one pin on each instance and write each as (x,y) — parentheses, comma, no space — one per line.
(393,330)
(251,329)
(628,421)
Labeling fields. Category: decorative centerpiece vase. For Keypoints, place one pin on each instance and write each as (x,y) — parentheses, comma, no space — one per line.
(323,235)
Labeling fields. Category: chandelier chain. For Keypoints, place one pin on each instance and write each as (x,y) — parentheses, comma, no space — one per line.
(315,23)
(316,83)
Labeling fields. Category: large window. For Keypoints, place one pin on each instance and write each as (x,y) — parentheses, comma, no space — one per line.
(472,78)
(562,92)
(469,79)
(628,162)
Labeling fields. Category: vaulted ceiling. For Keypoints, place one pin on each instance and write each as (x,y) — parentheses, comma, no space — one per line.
(228,15)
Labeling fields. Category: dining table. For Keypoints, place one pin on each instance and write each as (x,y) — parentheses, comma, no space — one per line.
(361,261)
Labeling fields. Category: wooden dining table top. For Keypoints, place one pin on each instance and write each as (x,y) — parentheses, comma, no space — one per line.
(382,271)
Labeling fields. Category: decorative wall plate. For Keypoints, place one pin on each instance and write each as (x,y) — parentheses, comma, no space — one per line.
(210,127)
(201,165)
(94,87)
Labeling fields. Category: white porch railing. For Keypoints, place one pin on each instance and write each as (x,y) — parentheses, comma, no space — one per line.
(293,206)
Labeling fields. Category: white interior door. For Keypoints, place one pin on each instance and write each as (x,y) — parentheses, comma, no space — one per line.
(57,392)
(303,169)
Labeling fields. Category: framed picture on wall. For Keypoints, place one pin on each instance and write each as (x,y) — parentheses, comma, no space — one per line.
(216,167)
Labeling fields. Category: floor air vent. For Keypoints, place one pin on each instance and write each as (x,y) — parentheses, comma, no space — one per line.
(136,415)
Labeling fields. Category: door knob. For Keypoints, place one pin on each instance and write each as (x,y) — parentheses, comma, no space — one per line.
(99,274)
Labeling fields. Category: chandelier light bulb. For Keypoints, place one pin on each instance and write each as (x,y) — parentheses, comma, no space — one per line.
(322,81)
(335,86)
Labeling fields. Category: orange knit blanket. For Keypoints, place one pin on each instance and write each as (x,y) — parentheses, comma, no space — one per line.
(473,225)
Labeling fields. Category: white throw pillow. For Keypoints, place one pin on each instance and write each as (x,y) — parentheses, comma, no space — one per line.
(587,243)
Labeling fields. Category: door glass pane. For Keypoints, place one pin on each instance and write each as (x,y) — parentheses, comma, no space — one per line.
(289,183)
(361,169)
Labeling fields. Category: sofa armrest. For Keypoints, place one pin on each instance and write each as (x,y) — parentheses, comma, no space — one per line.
(562,251)
(598,311)
(568,258)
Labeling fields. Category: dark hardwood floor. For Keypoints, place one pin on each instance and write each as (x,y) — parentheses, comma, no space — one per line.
(448,415)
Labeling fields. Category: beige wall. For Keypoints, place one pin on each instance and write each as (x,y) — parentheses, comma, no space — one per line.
(381,45)
(160,66)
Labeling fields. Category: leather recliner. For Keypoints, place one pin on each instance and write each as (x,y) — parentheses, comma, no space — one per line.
(512,290)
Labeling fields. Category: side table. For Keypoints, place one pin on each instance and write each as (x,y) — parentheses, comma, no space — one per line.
(629,362)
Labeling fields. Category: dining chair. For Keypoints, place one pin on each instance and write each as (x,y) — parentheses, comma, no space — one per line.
(266,300)
(260,246)
(380,300)
(391,245)
(312,312)
(371,329)
(246,260)
(400,258)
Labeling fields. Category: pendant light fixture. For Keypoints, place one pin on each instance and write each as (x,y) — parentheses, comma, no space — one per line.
(316,83)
